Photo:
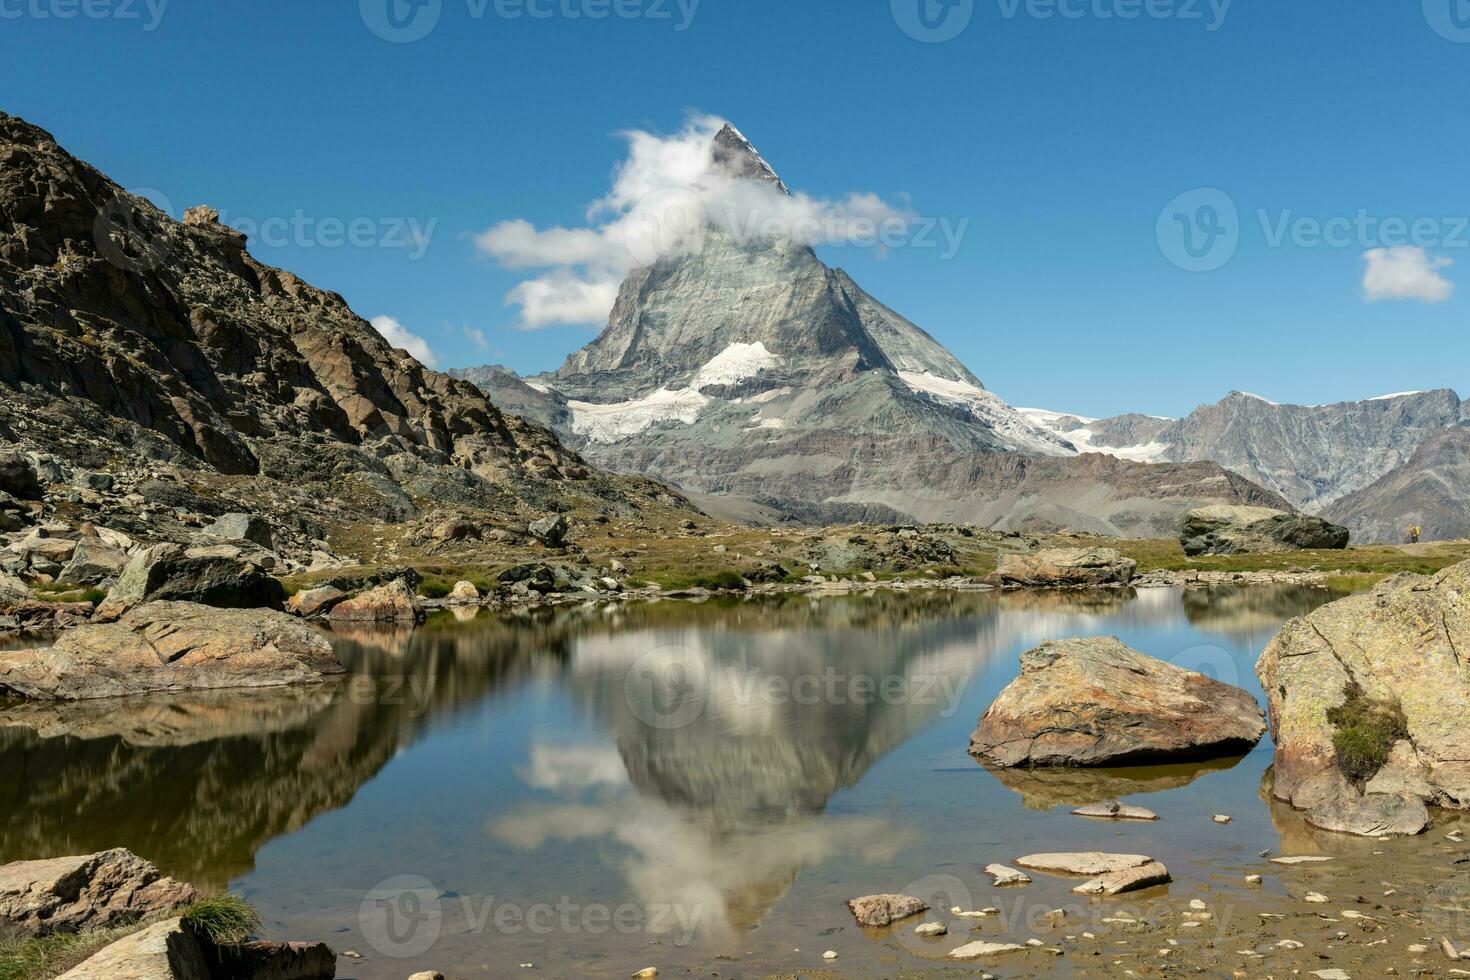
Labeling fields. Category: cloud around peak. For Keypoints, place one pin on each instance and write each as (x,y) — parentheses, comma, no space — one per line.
(666,195)
(1405,273)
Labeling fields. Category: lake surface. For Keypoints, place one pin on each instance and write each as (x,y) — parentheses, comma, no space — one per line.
(593,790)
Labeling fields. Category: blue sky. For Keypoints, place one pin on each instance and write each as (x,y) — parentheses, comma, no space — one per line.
(1058,140)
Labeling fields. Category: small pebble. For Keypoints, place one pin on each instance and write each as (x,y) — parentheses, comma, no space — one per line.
(831,954)
(1316,898)
(1221,818)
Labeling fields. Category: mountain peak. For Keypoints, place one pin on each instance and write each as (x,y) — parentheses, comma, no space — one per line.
(740,158)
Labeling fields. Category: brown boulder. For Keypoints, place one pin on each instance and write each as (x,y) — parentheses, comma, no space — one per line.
(91,891)
(167,647)
(311,602)
(877,911)
(1067,568)
(1095,702)
(393,602)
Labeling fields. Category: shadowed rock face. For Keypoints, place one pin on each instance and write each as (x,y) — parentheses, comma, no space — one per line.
(1095,702)
(1256,531)
(136,333)
(1406,641)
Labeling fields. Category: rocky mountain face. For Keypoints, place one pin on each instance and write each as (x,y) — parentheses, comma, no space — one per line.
(163,353)
(752,371)
(1318,457)
(1429,492)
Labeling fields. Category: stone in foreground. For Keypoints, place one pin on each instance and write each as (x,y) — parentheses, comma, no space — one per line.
(1095,702)
(1127,880)
(164,951)
(1226,530)
(90,891)
(1113,810)
(1063,568)
(1002,875)
(1404,642)
(883,910)
(166,647)
(1088,863)
(977,950)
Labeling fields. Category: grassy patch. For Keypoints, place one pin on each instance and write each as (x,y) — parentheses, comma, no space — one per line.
(32,958)
(1366,730)
(224,919)
(60,592)
(1351,584)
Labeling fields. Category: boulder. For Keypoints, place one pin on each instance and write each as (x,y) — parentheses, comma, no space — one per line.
(18,475)
(455,529)
(313,602)
(1404,643)
(877,911)
(90,891)
(1066,568)
(243,527)
(1095,702)
(169,572)
(166,950)
(1126,880)
(1226,530)
(13,590)
(168,647)
(93,563)
(550,531)
(393,602)
(464,592)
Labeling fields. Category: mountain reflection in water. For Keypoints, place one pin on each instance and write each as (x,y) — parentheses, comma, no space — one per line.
(718,798)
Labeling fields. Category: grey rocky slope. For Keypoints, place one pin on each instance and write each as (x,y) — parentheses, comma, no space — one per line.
(1431,491)
(204,381)
(1312,455)
(752,369)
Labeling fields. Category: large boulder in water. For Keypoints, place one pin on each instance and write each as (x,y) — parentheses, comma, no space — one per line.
(392,602)
(1400,648)
(90,891)
(1054,568)
(167,647)
(211,576)
(1225,530)
(1095,702)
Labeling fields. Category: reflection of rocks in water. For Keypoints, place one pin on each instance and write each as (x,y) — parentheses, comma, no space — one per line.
(1042,789)
(198,783)
(1099,602)
(1251,613)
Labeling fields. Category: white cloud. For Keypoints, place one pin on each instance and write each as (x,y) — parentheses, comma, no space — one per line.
(475,336)
(397,335)
(664,197)
(1406,272)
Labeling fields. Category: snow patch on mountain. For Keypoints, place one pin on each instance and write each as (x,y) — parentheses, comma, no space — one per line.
(1065,426)
(991,411)
(617,421)
(734,364)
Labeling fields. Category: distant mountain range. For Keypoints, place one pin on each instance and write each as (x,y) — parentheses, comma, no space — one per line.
(750,374)
(1321,458)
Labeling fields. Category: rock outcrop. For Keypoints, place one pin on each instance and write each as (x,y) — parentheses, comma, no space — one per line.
(1224,530)
(211,577)
(1067,568)
(1403,644)
(392,602)
(169,647)
(1095,702)
(91,891)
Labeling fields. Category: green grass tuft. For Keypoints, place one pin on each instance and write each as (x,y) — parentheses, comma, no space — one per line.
(225,919)
(1366,732)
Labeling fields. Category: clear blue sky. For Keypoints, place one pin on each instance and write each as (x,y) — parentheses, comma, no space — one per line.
(1060,140)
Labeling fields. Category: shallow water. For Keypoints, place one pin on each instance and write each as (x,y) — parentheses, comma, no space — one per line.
(598,789)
